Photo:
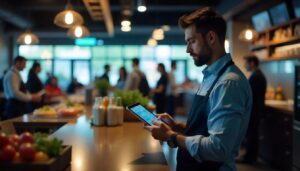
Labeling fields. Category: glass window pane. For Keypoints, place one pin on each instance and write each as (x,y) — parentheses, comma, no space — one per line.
(72,52)
(179,52)
(82,72)
(162,52)
(180,72)
(131,51)
(147,52)
(97,68)
(99,52)
(150,69)
(195,73)
(114,51)
(36,51)
(62,70)
(115,65)
(46,66)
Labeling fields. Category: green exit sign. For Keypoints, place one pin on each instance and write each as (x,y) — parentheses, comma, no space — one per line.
(88,41)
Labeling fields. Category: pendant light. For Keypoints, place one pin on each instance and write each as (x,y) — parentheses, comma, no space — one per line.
(141,5)
(28,38)
(248,35)
(68,17)
(78,31)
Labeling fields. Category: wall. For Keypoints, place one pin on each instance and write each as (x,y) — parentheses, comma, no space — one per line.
(4,63)
(281,73)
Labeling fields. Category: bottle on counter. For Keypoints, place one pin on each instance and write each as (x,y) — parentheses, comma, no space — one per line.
(120,110)
(112,113)
(99,112)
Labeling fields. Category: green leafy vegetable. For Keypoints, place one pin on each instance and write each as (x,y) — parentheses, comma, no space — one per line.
(51,146)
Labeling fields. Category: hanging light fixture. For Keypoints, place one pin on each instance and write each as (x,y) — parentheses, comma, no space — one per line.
(68,17)
(151,42)
(158,34)
(141,5)
(78,31)
(28,38)
(248,35)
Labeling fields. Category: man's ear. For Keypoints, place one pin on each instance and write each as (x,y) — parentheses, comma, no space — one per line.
(211,38)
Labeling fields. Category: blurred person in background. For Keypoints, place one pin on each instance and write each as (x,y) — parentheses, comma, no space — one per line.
(106,72)
(137,79)
(34,84)
(2,96)
(171,89)
(15,90)
(159,93)
(52,89)
(74,86)
(258,83)
(122,78)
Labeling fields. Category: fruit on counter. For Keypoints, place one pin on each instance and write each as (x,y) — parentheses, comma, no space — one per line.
(7,153)
(27,147)
(3,140)
(45,111)
(26,137)
(41,157)
(27,151)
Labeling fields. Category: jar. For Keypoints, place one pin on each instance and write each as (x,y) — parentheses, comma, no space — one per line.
(99,112)
(112,113)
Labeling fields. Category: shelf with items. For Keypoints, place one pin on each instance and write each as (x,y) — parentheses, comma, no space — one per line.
(278,43)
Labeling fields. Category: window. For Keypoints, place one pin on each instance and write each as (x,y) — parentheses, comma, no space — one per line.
(36,51)
(131,52)
(62,70)
(72,52)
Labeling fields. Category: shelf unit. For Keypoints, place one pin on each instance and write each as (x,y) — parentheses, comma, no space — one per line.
(268,45)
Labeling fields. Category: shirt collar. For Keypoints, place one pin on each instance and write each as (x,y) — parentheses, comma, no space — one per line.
(216,67)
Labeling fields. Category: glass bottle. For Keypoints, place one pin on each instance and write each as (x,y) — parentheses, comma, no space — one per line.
(99,114)
(112,115)
(120,110)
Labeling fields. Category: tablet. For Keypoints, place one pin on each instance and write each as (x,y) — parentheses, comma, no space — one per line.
(142,113)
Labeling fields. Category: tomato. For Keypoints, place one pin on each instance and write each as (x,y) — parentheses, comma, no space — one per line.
(26,137)
(3,140)
(17,157)
(27,151)
(7,153)
(41,157)
(14,140)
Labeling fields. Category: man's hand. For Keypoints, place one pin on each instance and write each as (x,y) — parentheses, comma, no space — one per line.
(160,130)
(36,98)
(175,126)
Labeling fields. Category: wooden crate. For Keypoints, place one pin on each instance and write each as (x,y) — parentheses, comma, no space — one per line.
(58,163)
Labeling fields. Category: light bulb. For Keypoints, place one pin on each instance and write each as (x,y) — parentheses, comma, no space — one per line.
(78,31)
(125,23)
(142,8)
(152,42)
(69,19)
(126,28)
(248,35)
(27,39)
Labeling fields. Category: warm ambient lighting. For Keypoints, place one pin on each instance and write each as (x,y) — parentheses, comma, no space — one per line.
(152,42)
(126,28)
(158,34)
(28,38)
(125,23)
(68,17)
(141,5)
(248,35)
(78,31)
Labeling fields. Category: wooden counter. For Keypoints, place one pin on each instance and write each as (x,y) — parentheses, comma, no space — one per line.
(126,148)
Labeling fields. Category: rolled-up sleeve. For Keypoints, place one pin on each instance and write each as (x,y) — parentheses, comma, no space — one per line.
(225,123)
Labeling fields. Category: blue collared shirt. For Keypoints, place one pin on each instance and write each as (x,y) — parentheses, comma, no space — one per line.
(229,107)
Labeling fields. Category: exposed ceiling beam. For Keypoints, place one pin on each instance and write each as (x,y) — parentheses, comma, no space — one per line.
(9,15)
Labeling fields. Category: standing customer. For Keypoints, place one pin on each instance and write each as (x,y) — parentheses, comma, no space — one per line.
(218,120)
(15,90)
(171,89)
(34,84)
(258,85)
(159,92)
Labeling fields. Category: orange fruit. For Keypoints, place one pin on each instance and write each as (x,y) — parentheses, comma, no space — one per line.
(41,157)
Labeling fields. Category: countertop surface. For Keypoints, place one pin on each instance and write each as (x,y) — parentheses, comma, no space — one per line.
(126,148)
(282,106)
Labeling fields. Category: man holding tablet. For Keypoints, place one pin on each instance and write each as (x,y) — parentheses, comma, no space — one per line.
(220,112)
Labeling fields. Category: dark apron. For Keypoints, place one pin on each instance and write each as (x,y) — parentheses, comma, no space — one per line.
(15,107)
(197,125)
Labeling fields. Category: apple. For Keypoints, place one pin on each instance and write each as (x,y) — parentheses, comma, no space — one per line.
(7,153)
(26,137)
(27,152)
(14,139)
(3,140)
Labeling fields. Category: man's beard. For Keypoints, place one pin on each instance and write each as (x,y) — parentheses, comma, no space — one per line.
(204,57)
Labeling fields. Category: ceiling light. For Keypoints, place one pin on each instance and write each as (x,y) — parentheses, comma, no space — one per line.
(126,28)
(28,38)
(248,35)
(158,34)
(152,42)
(141,5)
(126,23)
(68,17)
(166,28)
(78,31)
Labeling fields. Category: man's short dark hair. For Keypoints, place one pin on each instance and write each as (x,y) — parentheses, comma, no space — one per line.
(205,20)
(136,61)
(173,63)
(106,67)
(19,59)
(252,59)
